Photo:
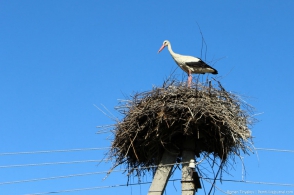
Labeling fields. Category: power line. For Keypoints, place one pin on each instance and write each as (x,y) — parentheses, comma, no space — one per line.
(52,163)
(124,185)
(85,161)
(82,174)
(275,150)
(106,148)
(51,178)
(90,188)
(243,181)
(74,175)
(122,170)
(258,182)
(52,151)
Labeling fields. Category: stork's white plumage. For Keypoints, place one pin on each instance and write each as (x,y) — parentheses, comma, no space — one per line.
(189,64)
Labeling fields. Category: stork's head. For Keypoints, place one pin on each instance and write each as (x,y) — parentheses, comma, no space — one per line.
(165,43)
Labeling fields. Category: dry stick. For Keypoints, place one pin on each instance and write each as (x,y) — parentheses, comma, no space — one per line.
(213,184)
(134,150)
(133,147)
(203,41)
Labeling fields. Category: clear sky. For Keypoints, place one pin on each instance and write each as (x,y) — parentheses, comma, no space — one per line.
(59,58)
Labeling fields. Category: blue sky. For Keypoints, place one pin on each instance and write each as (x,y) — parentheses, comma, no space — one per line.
(60,58)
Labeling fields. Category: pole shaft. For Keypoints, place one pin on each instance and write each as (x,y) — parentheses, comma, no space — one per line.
(162,173)
(188,187)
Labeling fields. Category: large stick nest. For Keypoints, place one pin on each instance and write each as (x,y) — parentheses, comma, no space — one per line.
(163,118)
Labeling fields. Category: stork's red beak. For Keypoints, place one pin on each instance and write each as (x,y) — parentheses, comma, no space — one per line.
(162,47)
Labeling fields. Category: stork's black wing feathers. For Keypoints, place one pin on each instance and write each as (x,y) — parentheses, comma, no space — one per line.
(201,65)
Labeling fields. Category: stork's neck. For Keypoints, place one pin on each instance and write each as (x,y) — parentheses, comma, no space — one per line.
(172,53)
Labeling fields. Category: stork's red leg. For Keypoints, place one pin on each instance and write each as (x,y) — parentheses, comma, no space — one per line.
(189,79)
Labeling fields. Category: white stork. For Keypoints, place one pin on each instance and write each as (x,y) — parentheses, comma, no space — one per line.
(189,64)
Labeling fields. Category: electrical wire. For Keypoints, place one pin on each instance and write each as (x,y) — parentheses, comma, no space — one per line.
(84,174)
(90,188)
(123,170)
(120,170)
(104,172)
(275,150)
(52,151)
(52,163)
(258,182)
(124,185)
(106,148)
(85,161)
(51,178)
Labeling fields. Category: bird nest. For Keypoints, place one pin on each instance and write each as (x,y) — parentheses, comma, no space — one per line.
(163,118)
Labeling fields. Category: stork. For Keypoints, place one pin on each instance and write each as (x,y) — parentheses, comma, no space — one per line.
(189,64)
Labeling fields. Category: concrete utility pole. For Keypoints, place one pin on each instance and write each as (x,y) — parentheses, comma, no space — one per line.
(188,187)
(162,173)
